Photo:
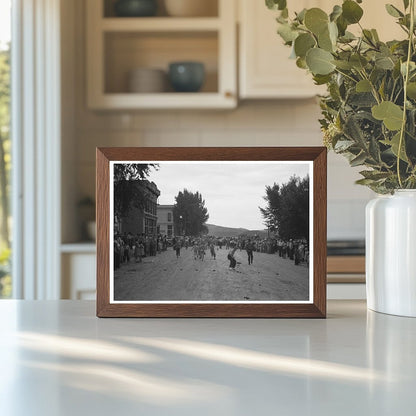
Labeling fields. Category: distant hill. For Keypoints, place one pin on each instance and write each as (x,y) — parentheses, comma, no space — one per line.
(219,231)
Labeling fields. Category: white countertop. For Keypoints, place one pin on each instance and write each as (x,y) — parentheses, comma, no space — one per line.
(57,358)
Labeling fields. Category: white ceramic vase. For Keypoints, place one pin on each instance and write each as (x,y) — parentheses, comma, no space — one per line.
(391,253)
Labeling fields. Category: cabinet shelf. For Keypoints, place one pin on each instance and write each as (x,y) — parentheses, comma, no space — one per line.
(160,24)
(116,46)
(198,100)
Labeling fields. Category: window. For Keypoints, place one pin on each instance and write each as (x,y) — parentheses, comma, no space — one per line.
(169,217)
(5,145)
(170,231)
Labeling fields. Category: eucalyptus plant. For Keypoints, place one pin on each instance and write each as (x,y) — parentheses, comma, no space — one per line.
(369,111)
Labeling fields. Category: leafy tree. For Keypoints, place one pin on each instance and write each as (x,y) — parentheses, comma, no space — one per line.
(129,190)
(190,213)
(5,159)
(270,213)
(287,210)
(5,166)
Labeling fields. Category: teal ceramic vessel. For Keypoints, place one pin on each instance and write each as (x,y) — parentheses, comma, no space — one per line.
(135,8)
(186,76)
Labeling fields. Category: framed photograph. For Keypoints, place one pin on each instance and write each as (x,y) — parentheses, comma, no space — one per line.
(211,232)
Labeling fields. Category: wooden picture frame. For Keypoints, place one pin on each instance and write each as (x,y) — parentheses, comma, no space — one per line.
(314,306)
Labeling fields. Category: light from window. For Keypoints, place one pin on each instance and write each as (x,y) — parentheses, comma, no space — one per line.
(5,147)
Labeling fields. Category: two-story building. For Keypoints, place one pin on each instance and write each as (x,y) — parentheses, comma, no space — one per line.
(165,220)
(142,220)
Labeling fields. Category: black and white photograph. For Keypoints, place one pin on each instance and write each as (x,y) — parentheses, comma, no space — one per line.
(191,231)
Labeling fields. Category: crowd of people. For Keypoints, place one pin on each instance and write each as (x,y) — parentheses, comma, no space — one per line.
(293,249)
(128,247)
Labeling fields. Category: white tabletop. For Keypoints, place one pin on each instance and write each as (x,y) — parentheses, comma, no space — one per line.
(57,358)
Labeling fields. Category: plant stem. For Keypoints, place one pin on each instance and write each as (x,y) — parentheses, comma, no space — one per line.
(406,80)
(392,91)
(373,88)
(346,75)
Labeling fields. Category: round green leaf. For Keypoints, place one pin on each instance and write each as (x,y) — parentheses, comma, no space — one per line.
(336,12)
(301,15)
(391,114)
(287,33)
(395,144)
(384,62)
(324,41)
(363,86)
(411,90)
(393,11)
(322,79)
(375,35)
(358,61)
(403,66)
(276,4)
(301,63)
(344,65)
(328,38)
(319,61)
(316,20)
(333,32)
(351,11)
(303,43)
(342,25)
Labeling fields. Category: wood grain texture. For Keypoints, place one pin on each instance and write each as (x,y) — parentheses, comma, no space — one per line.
(319,229)
(317,309)
(103,231)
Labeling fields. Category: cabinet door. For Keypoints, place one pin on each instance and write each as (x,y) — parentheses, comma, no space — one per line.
(265,68)
(78,276)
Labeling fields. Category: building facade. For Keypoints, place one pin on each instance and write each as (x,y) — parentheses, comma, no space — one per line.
(142,220)
(165,220)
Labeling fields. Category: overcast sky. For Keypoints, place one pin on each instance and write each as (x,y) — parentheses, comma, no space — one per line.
(232,192)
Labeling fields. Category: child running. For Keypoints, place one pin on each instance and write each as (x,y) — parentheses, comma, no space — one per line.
(231,257)
(201,251)
(250,249)
(177,248)
(212,250)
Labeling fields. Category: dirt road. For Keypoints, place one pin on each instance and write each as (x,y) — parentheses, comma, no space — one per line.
(165,277)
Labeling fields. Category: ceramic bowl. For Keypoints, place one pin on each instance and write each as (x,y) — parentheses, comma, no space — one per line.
(147,80)
(135,8)
(186,76)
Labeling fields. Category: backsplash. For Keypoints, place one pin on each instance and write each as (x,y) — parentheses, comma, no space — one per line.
(288,123)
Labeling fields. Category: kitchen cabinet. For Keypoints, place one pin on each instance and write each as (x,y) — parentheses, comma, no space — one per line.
(78,263)
(118,45)
(265,69)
